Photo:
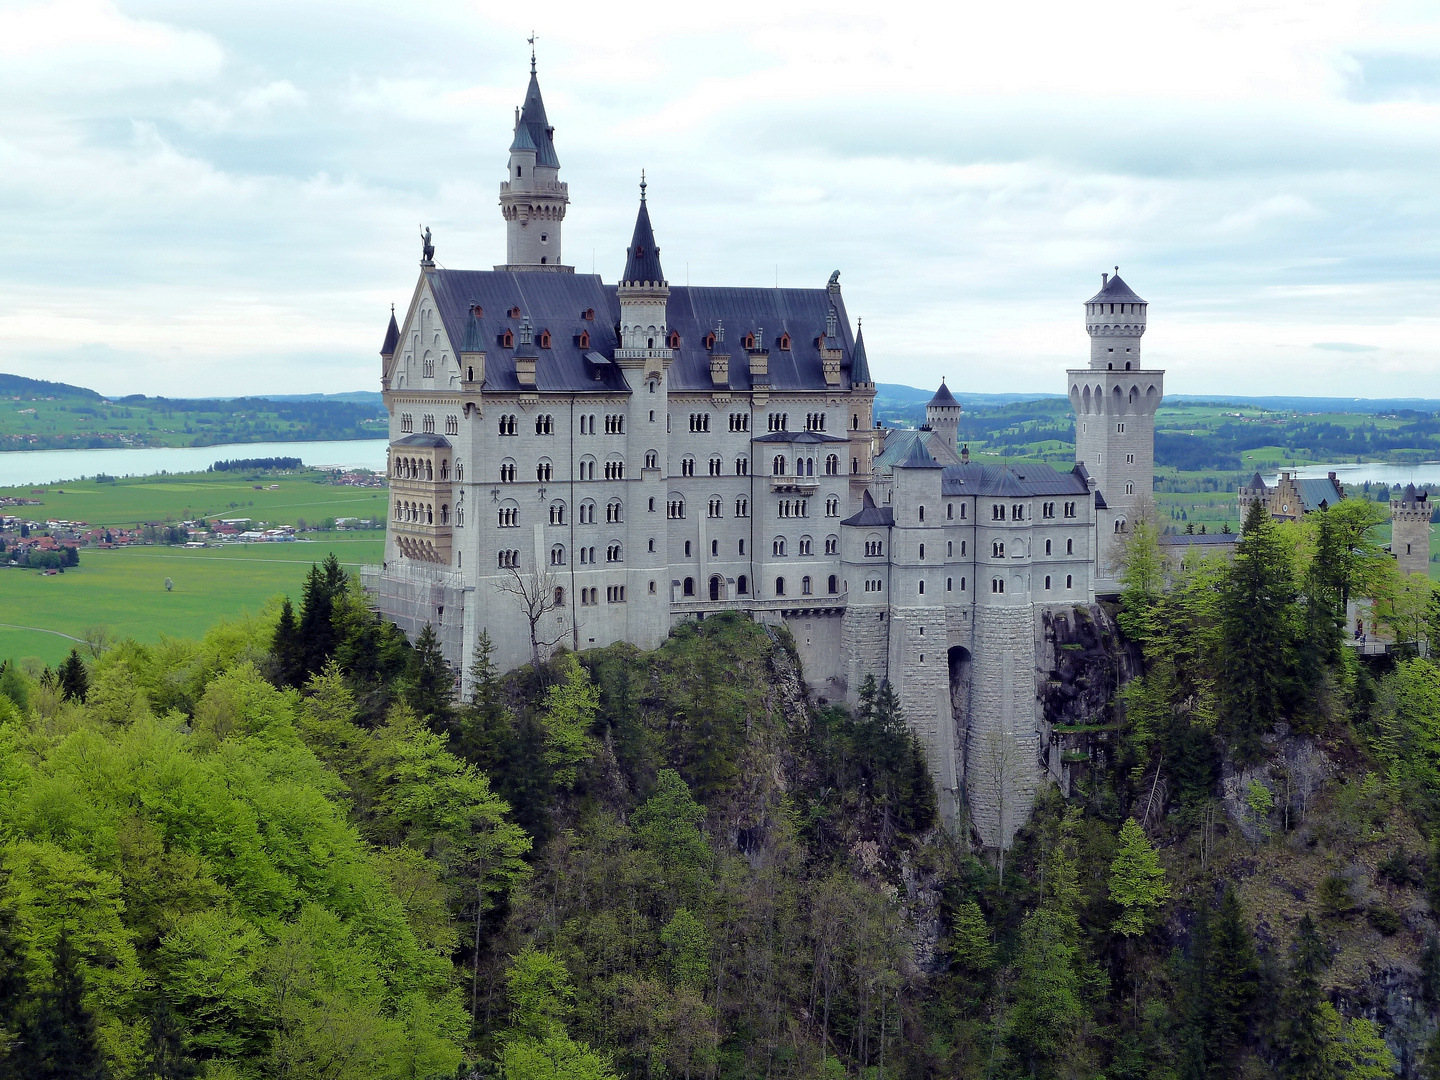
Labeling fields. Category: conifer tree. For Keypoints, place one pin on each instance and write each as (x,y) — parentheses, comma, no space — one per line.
(432,681)
(287,648)
(1302,1034)
(58,1040)
(1258,616)
(1233,984)
(1137,880)
(74,680)
(317,610)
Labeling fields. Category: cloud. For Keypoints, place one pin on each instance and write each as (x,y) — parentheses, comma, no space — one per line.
(1344,346)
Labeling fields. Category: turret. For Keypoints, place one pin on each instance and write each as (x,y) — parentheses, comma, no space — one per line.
(1115,320)
(532,198)
(643,293)
(942,414)
(1410,530)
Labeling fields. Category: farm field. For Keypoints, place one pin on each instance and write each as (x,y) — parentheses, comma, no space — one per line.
(136,500)
(124,590)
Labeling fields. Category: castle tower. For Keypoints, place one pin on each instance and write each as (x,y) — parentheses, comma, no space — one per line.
(1410,531)
(942,413)
(862,414)
(532,198)
(1115,401)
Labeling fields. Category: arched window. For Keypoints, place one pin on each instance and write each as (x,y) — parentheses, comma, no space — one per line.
(742,585)
(1069,581)
(444,514)
(557,555)
(997,585)
(1069,547)
(652,459)
(777,466)
(1047,547)
(689,586)
(805,585)
(557,513)
(834,585)
(777,546)
(559,596)
(1047,581)
(779,586)
(922,588)
(922,513)
(614,510)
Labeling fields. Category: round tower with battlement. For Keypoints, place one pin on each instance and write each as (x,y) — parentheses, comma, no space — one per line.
(1115,400)
(1410,530)
(942,415)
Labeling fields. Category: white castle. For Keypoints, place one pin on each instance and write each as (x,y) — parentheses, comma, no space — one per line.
(574,464)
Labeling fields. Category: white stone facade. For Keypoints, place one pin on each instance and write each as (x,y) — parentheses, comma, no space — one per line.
(642,454)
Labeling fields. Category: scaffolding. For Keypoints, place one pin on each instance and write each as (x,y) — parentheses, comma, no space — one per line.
(412,595)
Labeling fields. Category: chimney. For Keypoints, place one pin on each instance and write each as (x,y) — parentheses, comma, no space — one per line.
(965,454)
(1104,280)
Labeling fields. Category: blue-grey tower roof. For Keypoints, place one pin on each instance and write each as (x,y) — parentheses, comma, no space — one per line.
(474,335)
(642,257)
(534,132)
(859,363)
(943,398)
(918,457)
(392,335)
(1115,291)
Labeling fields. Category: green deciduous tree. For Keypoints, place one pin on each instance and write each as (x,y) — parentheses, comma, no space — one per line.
(567,715)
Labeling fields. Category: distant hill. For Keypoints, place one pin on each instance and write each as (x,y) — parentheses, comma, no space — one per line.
(19,386)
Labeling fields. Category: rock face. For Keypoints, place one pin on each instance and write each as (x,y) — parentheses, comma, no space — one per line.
(1083,661)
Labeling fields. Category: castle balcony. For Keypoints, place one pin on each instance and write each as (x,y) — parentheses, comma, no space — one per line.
(803,485)
(424,541)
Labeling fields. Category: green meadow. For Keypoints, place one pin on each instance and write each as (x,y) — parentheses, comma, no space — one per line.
(134,500)
(124,590)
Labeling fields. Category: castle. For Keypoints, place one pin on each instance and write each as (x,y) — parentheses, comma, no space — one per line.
(574,463)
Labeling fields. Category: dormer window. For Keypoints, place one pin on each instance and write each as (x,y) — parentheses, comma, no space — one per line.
(784,342)
(514,313)
(584,339)
(544,339)
(749,341)
(477,311)
(507,340)
(588,314)
(710,340)
(674,339)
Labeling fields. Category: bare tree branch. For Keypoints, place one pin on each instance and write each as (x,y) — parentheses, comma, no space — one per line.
(538,593)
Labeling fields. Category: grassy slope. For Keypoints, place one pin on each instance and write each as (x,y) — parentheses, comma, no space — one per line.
(177,498)
(124,590)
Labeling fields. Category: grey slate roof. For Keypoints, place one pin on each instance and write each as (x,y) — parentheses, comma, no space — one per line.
(943,398)
(557,302)
(859,362)
(1199,539)
(474,337)
(1412,494)
(1257,483)
(917,457)
(1317,493)
(422,439)
(870,515)
(1011,481)
(642,257)
(392,336)
(1116,292)
(798,437)
(536,129)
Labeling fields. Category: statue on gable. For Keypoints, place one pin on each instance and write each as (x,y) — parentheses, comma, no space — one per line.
(426,247)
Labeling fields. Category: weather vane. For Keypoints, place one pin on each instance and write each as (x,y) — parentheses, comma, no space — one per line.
(531,40)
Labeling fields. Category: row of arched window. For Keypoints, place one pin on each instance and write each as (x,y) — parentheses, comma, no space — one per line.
(805,466)
(418,513)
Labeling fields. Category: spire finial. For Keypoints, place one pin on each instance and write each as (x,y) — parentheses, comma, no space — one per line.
(642,185)
(531,40)
(1117,271)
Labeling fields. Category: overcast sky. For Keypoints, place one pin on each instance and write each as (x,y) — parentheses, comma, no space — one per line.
(223,198)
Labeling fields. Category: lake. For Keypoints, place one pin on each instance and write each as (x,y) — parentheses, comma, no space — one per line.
(19,467)
(1426,474)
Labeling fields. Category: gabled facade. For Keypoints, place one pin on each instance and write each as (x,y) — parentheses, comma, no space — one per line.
(575,463)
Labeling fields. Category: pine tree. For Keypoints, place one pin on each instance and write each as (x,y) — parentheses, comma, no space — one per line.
(13,991)
(1258,616)
(317,613)
(1302,1035)
(1197,1018)
(74,679)
(1233,985)
(1137,880)
(287,648)
(432,681)
(168,1059)
(57,1041)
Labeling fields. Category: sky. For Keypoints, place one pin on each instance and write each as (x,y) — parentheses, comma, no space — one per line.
(224,198)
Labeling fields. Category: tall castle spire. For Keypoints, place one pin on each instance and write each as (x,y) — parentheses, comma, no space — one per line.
(532,198)
(644,293)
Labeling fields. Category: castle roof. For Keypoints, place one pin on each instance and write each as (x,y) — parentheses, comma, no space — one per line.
(422,438)
(1257,483)
(474,336)
(1115,291)
(1319,493)
(558,303)
(392,336)
(1412,494)
(798,437)
(1010,481)
(943,398)
(870,515)
(642,257)
(917,457)
(859,363)
(534,132)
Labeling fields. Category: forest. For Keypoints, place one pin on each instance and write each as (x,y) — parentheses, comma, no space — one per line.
(287,850)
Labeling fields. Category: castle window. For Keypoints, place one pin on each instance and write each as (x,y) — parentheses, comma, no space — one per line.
(428,366)
(949,511)
(652,459)
(805,585)
(740,545)
(715,466)
(922,513)
(922,588)
(687,549)
(429,424)
(1069,547)
(997,550)
(587,513)
(1069,581)
(1129,487)
(588,314)
(749,341)
(507,559)
(452,425)
(997,585)
(613,553)
(1047,581)
(557,513)
(544,339)
(777,547)
(1047,547)
(1120,429)
(557,555)
(962,584)
(652,588)
(948,584)
(715,507)
(806,545)
(407,422)
(507,340)
(777,466)
(675,509)
(949,548)
(922,551)
(710,340)
(615,594)
(874,548)
(997,512)
(652,543)
(785,342)
(507,471)
(742,507)
(742,466)
(1069,509)
(962,512)
(614,511)
(742,585)
(687,466)
(674,339)
(832,507)
(444,514)
(689,587)
(584,339)
(508,517)
(514,313)
(779,586)
(714,547)
(1017,513)
(614,470)
(544,472)
(832,465)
